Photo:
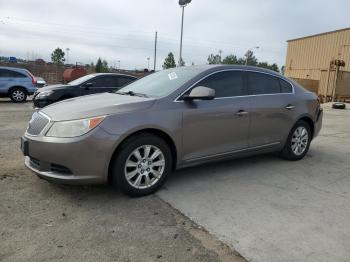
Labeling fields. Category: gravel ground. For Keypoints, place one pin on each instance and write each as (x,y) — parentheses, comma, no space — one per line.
(40,221)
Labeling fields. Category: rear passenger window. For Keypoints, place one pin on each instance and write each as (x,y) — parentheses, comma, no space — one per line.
(262,84)
(225,84)
(285,87)
(9,73)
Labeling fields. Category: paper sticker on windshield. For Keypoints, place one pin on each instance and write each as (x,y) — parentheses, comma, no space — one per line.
(172,76)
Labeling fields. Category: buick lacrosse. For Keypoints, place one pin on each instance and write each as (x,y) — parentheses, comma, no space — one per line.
(135,137)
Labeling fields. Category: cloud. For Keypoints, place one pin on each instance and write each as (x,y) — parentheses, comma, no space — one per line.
(124,30)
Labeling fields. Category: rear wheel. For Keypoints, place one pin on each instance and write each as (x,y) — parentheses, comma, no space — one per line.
(298,142)
(142,165)
(18,95)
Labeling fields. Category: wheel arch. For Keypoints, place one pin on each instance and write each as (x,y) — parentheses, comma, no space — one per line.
(309,121)
(17,86)
(154,131)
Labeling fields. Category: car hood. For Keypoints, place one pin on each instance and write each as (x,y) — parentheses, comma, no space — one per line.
(96,105)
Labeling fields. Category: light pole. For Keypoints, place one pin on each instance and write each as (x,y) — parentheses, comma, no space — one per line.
(148,58)
(182,4)
(67,49)
(250,50)
(118,64)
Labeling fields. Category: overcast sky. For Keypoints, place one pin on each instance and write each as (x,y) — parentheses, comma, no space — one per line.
(124,29)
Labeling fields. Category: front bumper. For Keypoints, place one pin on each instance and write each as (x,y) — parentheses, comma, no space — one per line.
(318,123)
(80,160)
(40,103)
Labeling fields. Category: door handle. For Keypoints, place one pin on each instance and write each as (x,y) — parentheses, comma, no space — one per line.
(290,107)
(241,113)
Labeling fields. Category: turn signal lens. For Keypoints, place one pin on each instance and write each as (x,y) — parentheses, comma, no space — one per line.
(95,122)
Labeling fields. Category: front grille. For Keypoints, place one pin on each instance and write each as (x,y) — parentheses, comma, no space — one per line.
(37,124)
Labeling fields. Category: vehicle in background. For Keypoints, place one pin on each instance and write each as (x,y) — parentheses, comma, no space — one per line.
(86,85)
(40,82)
(175,118)
(16,83)
(71,74)
(12,59)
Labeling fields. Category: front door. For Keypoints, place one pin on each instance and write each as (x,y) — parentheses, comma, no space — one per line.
(219,126)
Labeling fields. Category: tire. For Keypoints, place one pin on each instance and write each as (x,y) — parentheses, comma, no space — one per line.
(138,174)
(296,146)
(339,106)
(18,95)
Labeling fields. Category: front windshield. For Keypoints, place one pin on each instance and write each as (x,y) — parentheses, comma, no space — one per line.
(162,83)
(81,80)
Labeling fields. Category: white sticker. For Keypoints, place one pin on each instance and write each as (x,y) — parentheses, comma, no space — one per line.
(172,76)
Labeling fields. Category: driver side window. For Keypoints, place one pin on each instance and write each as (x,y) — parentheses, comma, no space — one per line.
(225,84)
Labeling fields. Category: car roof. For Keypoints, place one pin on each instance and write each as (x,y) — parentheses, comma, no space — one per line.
(115,74)
(234,67)
(13,68)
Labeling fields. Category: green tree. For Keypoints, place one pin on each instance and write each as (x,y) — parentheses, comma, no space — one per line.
(250,58)
(57,56)
(214,59)
(101,66)
(169,61)
(266,65)
(283,69)
(233,60)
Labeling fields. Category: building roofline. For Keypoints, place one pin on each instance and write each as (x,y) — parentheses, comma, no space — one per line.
(326,33)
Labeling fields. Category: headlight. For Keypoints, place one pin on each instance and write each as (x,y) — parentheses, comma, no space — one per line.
(44,94)
(74,128)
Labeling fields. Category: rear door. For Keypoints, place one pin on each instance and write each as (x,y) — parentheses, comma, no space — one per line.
(272,107)
(219,126)
(9,78)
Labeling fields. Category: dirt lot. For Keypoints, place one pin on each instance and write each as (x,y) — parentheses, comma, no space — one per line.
(40,221)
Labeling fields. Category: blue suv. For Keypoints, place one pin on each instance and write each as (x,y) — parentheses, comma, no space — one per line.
(16,83)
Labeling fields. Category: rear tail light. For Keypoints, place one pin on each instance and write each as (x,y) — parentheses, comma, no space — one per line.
(34,82)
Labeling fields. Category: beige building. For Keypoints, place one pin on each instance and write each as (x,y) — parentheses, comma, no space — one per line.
(321,63)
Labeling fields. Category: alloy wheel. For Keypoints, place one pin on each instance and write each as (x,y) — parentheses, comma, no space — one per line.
(18,95)
(144,167)
(300,140)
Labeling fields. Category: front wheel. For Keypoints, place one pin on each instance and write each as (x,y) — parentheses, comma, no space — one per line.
(298,142)
(142,165)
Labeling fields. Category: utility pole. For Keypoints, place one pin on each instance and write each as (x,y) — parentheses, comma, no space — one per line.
(67,49)
(182,31)
(182,4)
(148,58)
(155,51)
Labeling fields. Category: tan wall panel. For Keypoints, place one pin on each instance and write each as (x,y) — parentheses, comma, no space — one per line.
(308,56)
(311,85)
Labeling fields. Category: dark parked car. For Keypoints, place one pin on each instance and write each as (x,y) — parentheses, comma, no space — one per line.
(86,85)
(16,83)
(171,119)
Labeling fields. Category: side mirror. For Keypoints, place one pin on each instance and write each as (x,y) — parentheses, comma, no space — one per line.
(88,85)
(201,93)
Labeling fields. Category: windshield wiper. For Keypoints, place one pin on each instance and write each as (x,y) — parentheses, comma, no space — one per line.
(131,93)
